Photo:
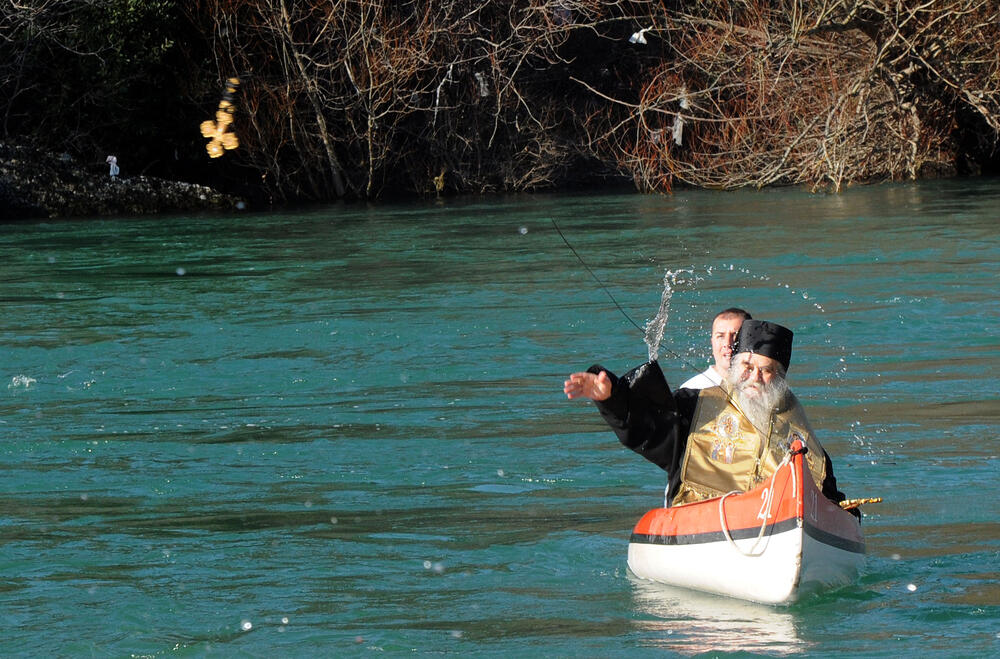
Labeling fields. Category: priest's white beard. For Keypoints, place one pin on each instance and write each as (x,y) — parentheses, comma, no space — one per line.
(758,400)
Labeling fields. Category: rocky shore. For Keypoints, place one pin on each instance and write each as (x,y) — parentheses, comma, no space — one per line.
(37,184)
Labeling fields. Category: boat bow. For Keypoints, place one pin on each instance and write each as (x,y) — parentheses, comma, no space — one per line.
(772,544)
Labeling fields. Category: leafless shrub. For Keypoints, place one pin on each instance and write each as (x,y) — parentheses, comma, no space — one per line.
(355,97)
(792,92)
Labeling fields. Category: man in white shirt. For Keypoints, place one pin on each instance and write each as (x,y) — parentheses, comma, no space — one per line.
(725,327)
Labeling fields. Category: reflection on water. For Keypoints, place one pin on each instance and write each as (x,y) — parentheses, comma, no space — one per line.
(689,622)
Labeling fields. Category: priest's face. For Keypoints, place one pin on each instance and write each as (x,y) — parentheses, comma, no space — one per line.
(724,331)
(758,385)
(754,374)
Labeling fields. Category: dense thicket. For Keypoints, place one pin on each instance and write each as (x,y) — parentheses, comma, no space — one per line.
(824,93)
(359,98)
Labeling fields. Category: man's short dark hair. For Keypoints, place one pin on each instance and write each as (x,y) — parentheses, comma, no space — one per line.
(733,311)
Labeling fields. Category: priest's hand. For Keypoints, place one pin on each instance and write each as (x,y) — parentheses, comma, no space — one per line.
(588,385)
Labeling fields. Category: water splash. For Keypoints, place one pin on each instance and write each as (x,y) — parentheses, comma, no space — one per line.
(21,382)
(677,280)
(658,324)
(841,357)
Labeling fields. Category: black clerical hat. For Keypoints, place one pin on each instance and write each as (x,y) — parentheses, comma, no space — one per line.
(763,338)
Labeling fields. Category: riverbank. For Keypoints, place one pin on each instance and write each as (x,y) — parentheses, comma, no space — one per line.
(38,184)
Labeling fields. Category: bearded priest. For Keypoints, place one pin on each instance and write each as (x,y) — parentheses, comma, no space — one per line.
(720,439)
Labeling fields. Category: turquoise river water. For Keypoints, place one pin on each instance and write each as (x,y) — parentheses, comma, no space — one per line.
(341,432)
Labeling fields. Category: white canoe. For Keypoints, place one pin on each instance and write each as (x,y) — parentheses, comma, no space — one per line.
(773,544)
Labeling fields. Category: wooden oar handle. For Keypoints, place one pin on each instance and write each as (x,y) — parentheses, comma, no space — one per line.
(849,504)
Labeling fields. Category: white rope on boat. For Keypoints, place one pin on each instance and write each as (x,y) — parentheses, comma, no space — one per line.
(765,510)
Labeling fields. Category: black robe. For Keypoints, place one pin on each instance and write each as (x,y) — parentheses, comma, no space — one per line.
(655,423)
